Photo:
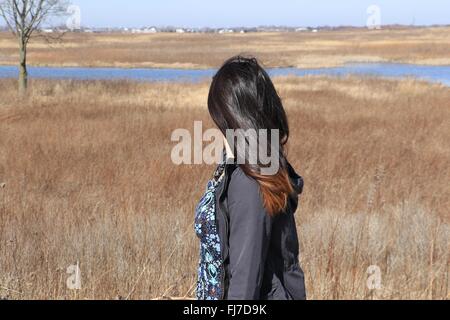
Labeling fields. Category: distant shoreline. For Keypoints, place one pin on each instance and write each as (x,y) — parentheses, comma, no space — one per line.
(435,74)
(234,29)
(178,67)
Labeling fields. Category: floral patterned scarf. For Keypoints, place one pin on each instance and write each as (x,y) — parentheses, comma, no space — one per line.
(210,268)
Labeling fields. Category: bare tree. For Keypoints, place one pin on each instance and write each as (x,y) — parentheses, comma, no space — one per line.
(24,18)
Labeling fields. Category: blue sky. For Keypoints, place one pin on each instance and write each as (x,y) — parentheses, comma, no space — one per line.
(232,13)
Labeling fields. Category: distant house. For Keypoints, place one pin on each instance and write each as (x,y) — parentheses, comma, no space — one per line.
(88,31)
(47,30)
(314,30)
(180,30)
(301,29)
(226,31)
(150,30)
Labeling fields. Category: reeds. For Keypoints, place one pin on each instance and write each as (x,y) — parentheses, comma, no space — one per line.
(429,46)
(88,178)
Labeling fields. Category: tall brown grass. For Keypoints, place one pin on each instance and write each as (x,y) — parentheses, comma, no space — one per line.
(302,49)
(88,178)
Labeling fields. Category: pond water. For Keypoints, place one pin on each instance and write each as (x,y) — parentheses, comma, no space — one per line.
(439,74)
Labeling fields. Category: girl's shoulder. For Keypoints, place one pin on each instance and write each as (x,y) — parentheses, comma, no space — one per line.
(239,180)
(241,186)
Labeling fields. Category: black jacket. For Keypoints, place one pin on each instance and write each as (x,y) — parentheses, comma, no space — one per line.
(260,252)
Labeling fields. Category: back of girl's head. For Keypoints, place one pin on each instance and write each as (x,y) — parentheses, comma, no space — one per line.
(242,96)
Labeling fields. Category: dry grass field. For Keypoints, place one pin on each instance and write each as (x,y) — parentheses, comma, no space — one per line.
(85,175)
(302,49)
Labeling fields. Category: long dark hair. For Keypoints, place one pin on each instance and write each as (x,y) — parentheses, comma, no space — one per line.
(242,96)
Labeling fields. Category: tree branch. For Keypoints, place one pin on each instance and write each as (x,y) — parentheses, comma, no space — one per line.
(24,17)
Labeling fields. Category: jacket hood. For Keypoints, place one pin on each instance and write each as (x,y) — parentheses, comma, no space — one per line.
(297,181)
